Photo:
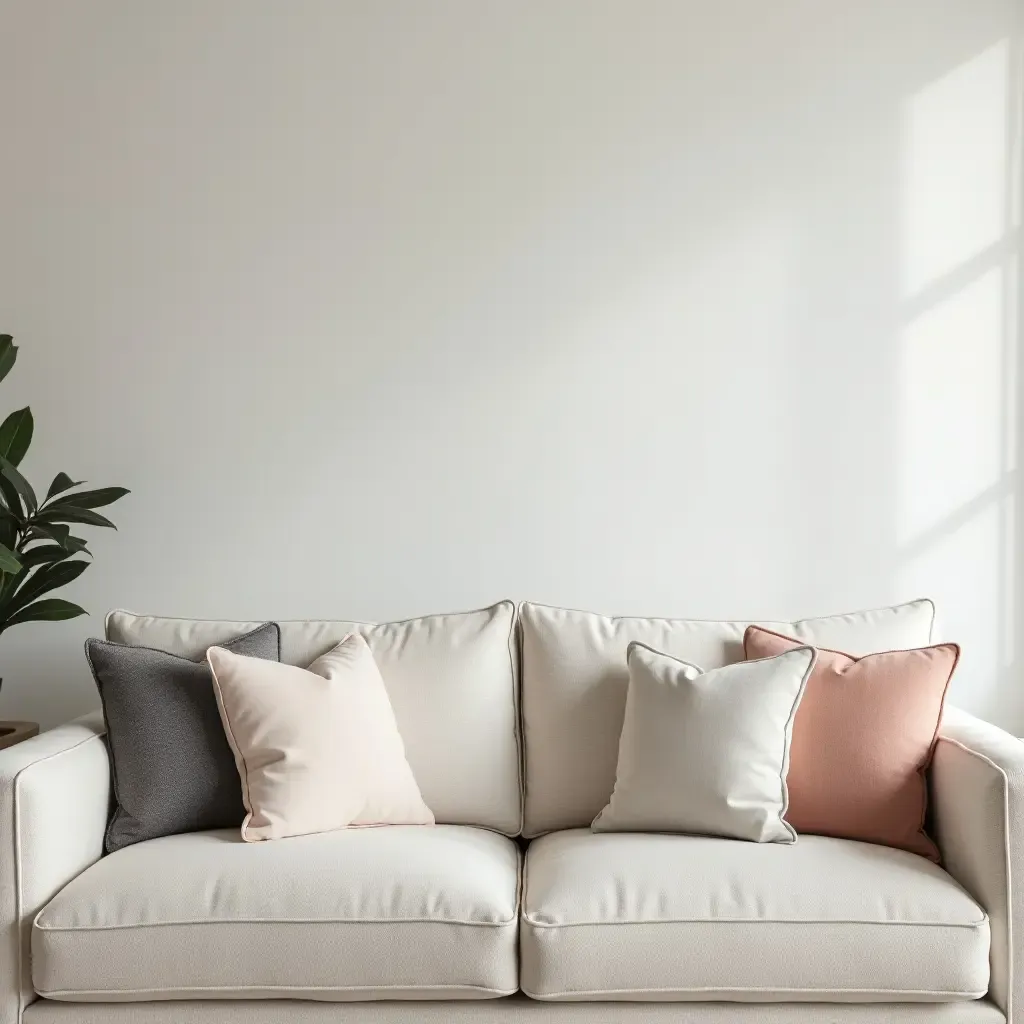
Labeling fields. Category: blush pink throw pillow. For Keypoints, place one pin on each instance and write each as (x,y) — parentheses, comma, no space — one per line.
(317,749)
(862,739)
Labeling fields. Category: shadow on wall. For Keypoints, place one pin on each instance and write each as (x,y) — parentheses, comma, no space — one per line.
(958,513)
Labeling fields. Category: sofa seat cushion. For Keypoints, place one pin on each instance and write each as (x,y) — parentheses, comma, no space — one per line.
(399,912)
(631,916)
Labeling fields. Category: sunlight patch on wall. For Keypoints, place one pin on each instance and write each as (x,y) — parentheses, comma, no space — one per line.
(953,423)
(956,520)
(953,171)
(962,573)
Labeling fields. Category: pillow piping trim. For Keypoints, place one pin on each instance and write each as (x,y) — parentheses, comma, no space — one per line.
(787,733)
(243,766)
(922,769)
(240,764)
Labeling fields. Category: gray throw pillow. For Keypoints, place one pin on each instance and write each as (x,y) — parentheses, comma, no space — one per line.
(173,770)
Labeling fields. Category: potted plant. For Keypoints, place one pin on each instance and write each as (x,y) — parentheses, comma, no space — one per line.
(38,552)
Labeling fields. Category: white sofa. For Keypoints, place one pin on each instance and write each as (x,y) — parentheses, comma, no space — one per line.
(510,908)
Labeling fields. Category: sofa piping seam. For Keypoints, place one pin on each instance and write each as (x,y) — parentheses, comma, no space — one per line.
(516,666)
(972,925)
(754,988)
(736,622)
(50,993)
(72,929)
(498,925)
(306,622)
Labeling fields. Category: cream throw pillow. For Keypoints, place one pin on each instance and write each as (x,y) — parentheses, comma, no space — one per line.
(706,753)
(318,748)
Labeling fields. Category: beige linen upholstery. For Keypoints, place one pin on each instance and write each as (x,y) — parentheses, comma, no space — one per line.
(452,684)
(977,787)
(574,682)
(54,796)
(511,1010)
(402,912)
(631,916)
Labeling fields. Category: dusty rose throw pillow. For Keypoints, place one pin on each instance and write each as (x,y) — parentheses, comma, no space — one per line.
(862,739)
(317,749)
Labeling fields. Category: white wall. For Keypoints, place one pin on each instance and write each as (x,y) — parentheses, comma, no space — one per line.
(382,308)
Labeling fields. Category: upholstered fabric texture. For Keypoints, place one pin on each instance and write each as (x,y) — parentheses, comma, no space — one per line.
(54,799)
(518,1009)
(173,769)
(452,684)
(316,749)
(863,738)
(706,752)
(630,916)
(376,913)
(977,784)
(575,682)
(56,785)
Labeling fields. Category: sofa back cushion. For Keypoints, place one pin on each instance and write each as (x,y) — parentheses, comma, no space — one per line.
(451,680)
(575,682)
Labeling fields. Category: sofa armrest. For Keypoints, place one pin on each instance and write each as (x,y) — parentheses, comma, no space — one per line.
(977,789)
(54,801)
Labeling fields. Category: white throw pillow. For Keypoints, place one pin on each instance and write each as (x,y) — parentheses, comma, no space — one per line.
(317,749)
(706,753)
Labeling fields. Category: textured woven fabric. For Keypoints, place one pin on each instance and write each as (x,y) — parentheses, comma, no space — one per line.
(54,797)
(977,786)
(328,756)
(402,912)
(173,769)
(451,679)
(511,1010)
(575,682)
(862,740)
(706,753)
(630,916)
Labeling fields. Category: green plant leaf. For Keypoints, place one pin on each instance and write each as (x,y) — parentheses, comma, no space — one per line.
(66,514)
(44,554)
(9,583)
(12,503)
(62,482)
(8,354)
(21,485)
(8,560)
(8,529)
(91,499)
(42,581)
(53,609)
(53,531)
(61,536)
(16,435)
